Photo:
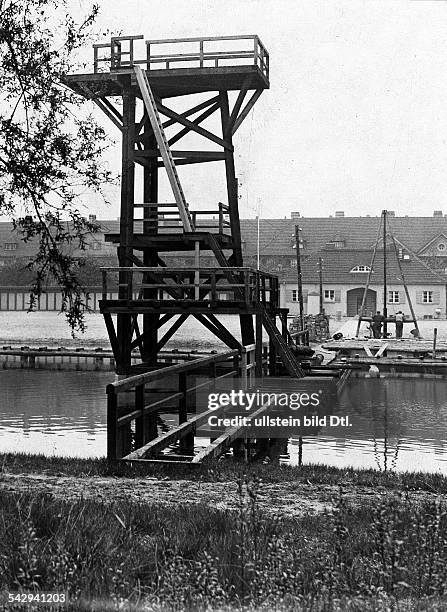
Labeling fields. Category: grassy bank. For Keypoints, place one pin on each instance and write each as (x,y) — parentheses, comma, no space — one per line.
(21,463)
(391,555)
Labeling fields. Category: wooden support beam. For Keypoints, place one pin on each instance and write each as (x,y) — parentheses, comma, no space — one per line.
(247,331)
(219,331)
(193,127)
(112,336)
(238,104)
(168,335)
(196,121)
(246,110)
(191,111)
(112,109)
(100,104)
(125,250)
(188,154)
(194,160)
(148,332)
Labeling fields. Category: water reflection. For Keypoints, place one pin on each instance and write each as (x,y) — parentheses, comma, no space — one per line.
(56,413)
(396,423)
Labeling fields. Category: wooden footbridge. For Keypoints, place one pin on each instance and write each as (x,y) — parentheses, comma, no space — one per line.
(229,74)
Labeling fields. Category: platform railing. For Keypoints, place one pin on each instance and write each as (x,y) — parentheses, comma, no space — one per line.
(133,402)
(192,284)
(166,215)
(120,53)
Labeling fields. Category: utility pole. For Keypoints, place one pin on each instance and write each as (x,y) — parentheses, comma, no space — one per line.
(320,278)
(299,277)
(385,311)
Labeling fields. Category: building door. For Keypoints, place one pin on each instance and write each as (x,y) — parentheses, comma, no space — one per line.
(354,302)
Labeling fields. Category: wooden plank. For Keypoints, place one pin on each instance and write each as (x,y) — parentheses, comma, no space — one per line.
(222,442)
(159,461)
(170,436)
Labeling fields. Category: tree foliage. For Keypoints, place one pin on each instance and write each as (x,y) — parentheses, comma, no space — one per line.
(50,147)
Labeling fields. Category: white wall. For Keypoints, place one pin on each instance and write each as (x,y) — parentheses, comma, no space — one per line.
(332,308)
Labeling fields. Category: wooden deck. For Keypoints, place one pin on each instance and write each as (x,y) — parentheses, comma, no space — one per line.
(397,357)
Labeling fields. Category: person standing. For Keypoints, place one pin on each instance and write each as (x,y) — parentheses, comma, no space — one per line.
(376,325)
(399,323)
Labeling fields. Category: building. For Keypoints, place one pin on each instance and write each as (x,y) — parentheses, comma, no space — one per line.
(345,245)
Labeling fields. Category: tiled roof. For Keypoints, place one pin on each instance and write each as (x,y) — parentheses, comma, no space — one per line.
(337,266)
(277,235)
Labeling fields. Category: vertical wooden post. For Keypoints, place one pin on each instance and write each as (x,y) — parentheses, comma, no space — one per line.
(243,372)
(112,428)
(139,421)
(299,276)
(435,335)
(272,353)
(246,321)
(197,270)
(385,288)
(320,282)
(187,442)
(258,349)
(124,323)
(150,256)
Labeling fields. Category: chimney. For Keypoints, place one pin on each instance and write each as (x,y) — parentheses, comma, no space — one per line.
(295,215)
(92,218)
(339,213)
(437,213)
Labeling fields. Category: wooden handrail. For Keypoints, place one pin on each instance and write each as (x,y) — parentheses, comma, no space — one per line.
(256,52)
(133,381)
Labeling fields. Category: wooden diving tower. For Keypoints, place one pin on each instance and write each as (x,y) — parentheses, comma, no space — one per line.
(144,293)
(150,293)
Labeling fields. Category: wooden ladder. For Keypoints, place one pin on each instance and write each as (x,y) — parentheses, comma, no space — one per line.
(162,141)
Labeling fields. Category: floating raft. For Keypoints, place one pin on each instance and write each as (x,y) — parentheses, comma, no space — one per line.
(414,357)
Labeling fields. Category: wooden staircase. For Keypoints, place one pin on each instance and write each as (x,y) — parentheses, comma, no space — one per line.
(288,358)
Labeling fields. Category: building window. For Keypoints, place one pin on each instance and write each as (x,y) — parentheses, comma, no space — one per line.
(441,246)
(294,295)
(393,297)
(361,269)
(336,244)
(329,295)
(427,297)
(293,263)
(10,246)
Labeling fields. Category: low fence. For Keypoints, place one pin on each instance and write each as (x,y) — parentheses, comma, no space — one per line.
(80,359)
(13,298)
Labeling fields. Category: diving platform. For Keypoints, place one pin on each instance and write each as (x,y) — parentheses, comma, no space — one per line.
(177,67)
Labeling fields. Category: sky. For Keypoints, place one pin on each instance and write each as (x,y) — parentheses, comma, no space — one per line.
(356,115)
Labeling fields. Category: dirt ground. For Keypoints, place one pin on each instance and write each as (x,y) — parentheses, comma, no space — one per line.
(286,498)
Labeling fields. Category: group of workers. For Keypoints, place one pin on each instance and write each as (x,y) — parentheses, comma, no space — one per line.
(377,322)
